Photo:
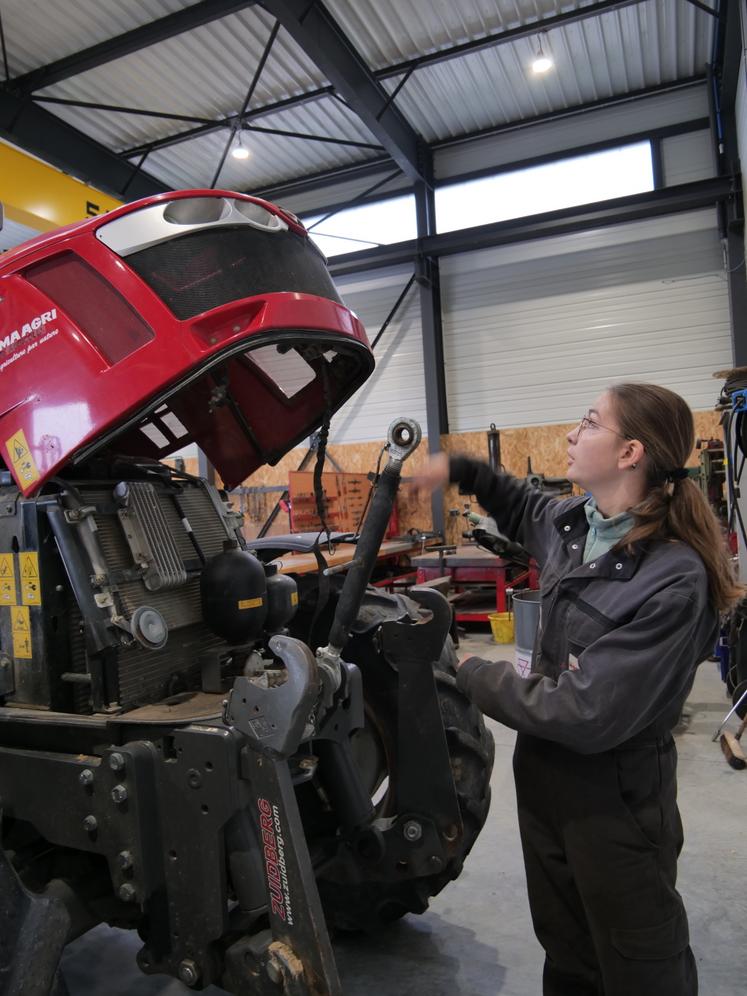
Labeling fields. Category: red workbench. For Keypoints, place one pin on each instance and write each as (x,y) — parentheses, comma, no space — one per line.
(478,578)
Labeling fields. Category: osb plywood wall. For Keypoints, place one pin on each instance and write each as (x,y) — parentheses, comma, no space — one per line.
(352,458)
(546,445)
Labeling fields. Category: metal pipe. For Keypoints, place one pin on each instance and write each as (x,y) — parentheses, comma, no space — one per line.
(494,448)
(79,574)
(404,436)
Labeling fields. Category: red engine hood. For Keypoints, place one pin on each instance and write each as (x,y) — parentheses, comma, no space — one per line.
(111,345)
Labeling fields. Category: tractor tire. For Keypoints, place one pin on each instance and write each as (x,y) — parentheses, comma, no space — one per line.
(368,904)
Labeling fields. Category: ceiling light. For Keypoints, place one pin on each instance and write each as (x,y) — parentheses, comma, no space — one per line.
(239,150)
(542,63)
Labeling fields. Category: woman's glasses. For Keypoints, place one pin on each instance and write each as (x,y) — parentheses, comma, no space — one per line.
(587,422)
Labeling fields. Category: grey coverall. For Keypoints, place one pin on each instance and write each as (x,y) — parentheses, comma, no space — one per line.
(595,764)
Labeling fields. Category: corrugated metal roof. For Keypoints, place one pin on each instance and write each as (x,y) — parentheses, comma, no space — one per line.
(390,31)
(639,46)
(38,32)
(206,72)
(273,158)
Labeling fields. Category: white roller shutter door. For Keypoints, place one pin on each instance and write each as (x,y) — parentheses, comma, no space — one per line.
(533,331)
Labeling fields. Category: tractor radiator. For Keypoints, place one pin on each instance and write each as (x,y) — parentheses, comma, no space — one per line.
(152,533)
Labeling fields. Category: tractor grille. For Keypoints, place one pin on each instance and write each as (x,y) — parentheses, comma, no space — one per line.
(150,675)
(77,642)
(208,268)
(147,676)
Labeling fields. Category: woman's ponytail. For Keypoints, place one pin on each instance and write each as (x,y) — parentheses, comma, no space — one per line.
(674,507)
(691,520)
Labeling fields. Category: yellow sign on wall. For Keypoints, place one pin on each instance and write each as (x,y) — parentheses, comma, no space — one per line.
(42,197)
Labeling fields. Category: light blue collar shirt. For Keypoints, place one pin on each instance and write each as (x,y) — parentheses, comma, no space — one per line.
(604,533)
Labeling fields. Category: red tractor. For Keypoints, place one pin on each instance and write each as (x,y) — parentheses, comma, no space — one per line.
(193,745)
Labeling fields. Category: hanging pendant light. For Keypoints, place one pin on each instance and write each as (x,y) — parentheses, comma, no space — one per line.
(239,150)
(542,63)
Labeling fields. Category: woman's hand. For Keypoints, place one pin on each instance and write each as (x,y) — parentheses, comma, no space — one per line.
(434,475)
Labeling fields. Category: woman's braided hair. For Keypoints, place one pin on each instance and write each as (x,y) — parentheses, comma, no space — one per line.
(674,507)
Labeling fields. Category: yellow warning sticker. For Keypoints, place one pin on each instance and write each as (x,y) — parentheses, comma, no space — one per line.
(21,624)
(7,580)
(28,564)
(250,603)
(20,456)
(294,598)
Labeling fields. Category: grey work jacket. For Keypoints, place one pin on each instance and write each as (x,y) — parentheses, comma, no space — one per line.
(620,637)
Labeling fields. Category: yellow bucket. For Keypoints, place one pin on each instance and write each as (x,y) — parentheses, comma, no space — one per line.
(502,625)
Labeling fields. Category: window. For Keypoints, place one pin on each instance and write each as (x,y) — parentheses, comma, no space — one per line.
(597,176)
(562,183)
(364,227)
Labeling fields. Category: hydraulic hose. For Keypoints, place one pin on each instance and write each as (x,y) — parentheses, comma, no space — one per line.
(404,436)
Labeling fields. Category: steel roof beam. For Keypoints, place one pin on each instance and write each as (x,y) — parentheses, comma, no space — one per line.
(320,180)
(654,135)
(127,43)
(509,35)
(703,6)
(186,136)
(30,127)
(314,29)
(406,68)
(119,109)
(728,52)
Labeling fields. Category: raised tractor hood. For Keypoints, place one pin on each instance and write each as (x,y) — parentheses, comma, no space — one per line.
(197,316)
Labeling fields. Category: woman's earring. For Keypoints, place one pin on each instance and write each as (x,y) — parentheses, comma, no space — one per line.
(634,466)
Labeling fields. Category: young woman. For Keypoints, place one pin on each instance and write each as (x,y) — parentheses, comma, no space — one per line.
(633,579)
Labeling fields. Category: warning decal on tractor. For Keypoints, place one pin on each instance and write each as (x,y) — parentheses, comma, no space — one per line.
(21,625)
(29,571)
(7,580)
(20,457)
(250,603)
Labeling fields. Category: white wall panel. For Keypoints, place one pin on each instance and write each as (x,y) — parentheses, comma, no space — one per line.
(605,124)
(533,332)
(686,158)
(396,387)
(12,234)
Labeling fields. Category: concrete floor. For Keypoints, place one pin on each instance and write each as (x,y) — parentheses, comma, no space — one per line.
(476,939)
